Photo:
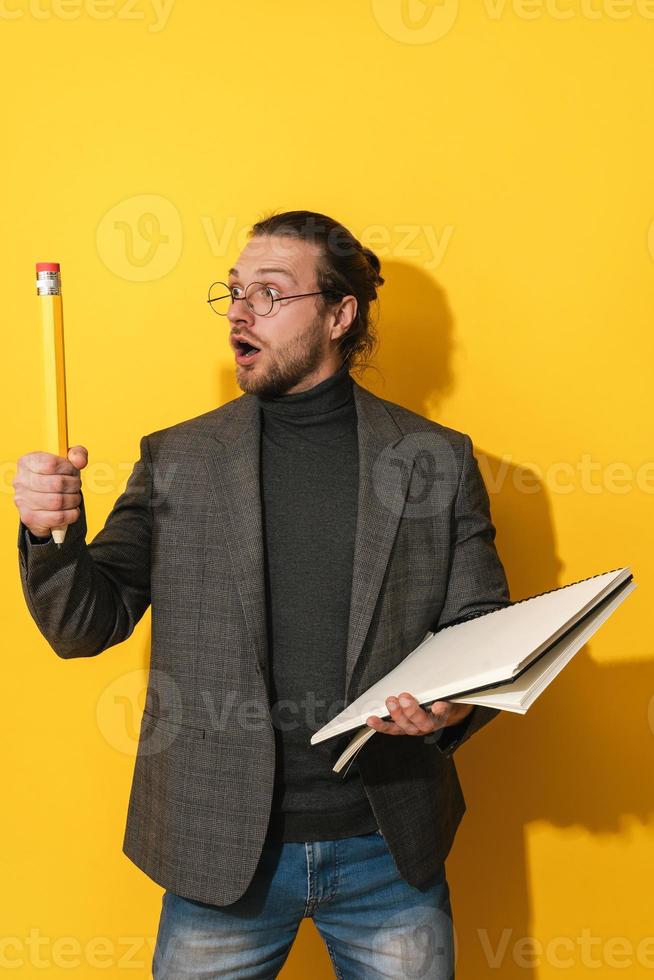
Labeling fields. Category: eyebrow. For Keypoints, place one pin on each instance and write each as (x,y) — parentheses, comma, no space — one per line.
(264,269)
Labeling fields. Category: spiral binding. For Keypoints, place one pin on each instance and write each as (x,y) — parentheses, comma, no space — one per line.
(516,602)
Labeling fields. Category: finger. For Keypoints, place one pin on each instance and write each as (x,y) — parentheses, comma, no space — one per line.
(50,518)
(442,712)
(79,456)
(48,463)
(415,714)
(55,483)
(400,718)
(38,502)
(387,727)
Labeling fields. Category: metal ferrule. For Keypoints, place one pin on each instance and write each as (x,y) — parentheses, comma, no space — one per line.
(48,283)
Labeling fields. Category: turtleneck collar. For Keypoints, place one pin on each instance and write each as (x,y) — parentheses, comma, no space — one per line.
(331,393)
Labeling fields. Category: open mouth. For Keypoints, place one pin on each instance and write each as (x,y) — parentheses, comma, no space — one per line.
(245,351)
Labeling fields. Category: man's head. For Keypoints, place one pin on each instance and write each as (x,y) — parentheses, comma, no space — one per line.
(304,339)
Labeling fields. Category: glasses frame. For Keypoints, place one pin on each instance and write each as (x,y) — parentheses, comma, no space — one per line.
(273,299)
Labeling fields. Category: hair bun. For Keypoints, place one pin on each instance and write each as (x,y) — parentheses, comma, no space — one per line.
(373,260)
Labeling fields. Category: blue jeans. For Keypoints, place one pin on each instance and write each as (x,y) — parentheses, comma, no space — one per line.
(373,922)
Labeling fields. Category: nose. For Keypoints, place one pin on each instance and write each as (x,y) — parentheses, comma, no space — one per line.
(239,311)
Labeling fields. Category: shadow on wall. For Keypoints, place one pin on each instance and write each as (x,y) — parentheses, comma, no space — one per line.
(562,763)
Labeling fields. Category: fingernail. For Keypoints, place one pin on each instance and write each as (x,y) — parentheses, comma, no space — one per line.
(392,703)
(405,702)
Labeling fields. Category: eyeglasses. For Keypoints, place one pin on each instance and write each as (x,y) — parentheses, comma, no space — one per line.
(257,295)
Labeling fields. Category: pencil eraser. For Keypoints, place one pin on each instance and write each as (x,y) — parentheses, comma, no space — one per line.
(47,267)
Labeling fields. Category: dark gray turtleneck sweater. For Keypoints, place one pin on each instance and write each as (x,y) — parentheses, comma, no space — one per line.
(309,488)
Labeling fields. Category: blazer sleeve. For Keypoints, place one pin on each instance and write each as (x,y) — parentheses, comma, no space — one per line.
(476,582)
(84,597)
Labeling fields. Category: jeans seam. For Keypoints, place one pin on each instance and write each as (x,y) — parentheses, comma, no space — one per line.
(332,957)
(337,873)
(309,904)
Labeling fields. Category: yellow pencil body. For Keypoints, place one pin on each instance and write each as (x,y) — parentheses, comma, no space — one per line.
(48,285)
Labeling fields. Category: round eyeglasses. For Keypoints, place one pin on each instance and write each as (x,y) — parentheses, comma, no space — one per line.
(257,295)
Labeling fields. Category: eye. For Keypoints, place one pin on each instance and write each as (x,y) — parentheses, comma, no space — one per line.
(267,292)
(236,291)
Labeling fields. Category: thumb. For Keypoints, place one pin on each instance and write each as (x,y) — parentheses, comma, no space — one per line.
(78,456)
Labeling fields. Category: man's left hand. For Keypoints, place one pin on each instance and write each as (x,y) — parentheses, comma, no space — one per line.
(410,718)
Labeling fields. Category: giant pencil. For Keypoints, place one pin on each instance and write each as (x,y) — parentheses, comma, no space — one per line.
(48,288)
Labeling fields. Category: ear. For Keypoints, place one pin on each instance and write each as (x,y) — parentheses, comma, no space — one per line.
(343,317)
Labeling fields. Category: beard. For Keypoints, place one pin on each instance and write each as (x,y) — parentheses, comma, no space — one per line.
(287,366)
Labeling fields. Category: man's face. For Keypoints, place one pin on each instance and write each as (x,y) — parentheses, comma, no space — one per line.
(294,338)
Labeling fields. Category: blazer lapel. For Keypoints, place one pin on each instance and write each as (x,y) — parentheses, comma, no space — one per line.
(235,479)
(383,486)
(234,474)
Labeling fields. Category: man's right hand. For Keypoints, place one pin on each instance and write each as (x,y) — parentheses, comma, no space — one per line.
(47,489)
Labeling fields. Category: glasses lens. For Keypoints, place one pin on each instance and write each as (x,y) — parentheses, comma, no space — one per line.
(260,298)
(220,298)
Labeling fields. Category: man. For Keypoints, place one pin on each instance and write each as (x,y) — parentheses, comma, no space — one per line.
(295,544)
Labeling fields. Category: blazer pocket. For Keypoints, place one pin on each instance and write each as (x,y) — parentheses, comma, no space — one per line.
(174,727)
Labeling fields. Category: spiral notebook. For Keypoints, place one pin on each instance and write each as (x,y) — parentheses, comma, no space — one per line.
(504,658)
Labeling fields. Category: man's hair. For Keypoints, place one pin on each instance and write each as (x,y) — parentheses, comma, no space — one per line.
(344,268)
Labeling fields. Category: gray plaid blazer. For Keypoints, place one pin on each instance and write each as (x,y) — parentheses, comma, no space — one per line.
(186,537)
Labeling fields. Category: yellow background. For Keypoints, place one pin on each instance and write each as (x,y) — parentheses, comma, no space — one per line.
(498,156)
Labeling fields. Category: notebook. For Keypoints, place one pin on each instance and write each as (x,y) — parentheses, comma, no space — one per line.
(503,658)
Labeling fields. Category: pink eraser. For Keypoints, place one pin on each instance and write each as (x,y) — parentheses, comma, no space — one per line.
(47,267)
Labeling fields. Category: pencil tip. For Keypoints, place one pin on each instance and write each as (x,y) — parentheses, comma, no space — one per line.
(58,543)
